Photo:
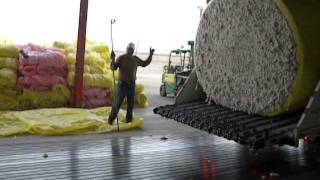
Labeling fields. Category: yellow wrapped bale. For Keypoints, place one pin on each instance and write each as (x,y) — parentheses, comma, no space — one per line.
(91,58)
(116,75)
(60,45)
(139,89)
(93,80)
(141,100)
(106,57)
(8,78)
(70,49)
(62,121)
(8,49)
(8,99)
(71,58)
(7,62)
(59,96)
(89,69)
(99,48)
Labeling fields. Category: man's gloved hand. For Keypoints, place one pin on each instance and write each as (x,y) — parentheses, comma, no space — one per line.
(113,56)
(151,51)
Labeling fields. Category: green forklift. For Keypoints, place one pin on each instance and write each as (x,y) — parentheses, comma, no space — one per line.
(180,65)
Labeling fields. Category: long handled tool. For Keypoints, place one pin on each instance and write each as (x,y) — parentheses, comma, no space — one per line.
(114,81)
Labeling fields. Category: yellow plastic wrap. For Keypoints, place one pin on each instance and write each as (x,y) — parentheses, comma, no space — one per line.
(70,50)
(8,49)
(106,57)
(60,45)
(98,47)
(93,80)
(59,96)
(7,62)
(8,99)
(141,100)
(89,69)
(11,125)
(62,121)
(139,89)
(71,58)
(8,78)
(91,58)
(116,75)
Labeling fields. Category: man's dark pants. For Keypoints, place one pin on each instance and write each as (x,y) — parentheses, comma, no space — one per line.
(124,90)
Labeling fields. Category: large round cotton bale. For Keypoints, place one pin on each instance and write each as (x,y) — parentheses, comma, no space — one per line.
(259,56)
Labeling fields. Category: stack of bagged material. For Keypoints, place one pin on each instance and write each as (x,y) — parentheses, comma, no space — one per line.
(98,82)
(97,75)
(9,54)
(42,76)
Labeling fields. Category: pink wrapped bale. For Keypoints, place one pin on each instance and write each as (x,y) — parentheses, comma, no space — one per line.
(40,68)
(96,97)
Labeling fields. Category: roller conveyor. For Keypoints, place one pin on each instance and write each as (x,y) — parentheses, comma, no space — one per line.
(252,130)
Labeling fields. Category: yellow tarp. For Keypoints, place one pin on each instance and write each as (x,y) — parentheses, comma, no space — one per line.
(62,121)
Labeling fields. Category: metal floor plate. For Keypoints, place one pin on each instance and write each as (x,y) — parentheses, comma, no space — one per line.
(193,157)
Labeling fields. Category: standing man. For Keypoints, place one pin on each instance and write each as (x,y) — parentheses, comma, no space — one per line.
(127,64)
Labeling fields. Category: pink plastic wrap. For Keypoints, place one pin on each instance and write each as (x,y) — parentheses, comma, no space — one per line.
(42,69)
(43,56)
(96,97)
(38,82)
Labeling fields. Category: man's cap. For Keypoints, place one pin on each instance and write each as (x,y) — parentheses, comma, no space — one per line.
(131,45)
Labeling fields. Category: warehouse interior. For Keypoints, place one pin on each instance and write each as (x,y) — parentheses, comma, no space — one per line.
(232,91)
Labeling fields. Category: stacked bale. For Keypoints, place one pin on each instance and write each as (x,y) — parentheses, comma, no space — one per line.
(97,79)
(42,78)
(259,56)
(9,54)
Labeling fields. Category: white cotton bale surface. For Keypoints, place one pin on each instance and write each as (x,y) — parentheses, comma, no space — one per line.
(251,55)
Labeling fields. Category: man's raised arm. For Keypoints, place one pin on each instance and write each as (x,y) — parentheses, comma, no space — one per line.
(146,62)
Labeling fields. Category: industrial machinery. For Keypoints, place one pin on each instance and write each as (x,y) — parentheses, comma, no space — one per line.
(195,108)
(175,74)
(253,130)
